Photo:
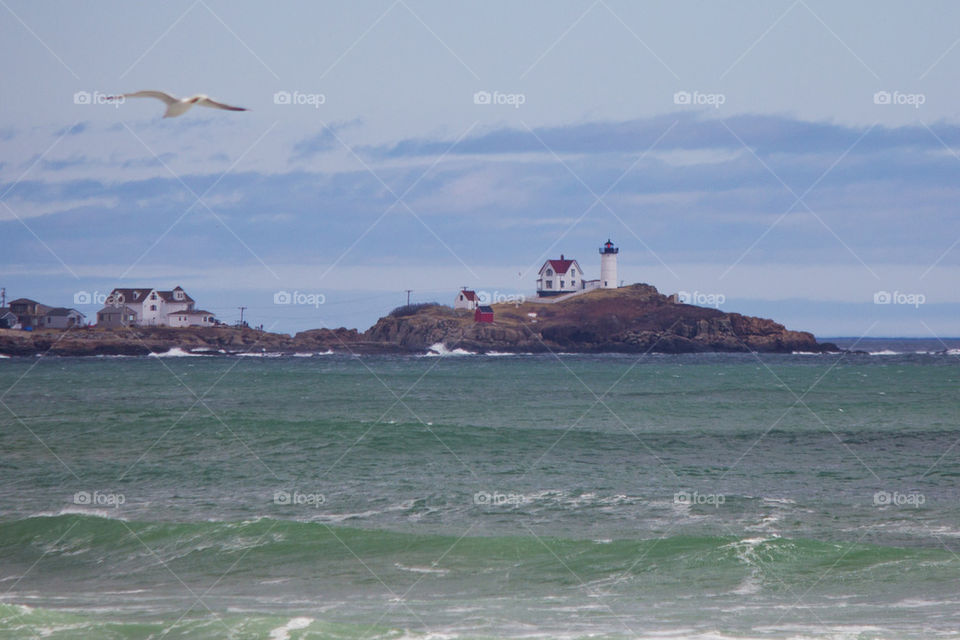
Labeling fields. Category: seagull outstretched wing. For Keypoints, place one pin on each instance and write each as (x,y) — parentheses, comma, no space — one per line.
(159,95)
(213,104)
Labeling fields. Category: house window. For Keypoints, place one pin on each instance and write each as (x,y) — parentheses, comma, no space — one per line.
(153,296)
(573,272)
(153,307)
(561,284)
(549,272)
(549,284)
(573,283)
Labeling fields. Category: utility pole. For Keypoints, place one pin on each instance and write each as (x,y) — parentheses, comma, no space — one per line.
(3,297)
(241,314)
(408,295)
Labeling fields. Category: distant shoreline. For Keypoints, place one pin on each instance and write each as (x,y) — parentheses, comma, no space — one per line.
(632,319)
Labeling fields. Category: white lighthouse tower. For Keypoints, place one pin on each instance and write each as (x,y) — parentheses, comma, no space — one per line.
(608,265)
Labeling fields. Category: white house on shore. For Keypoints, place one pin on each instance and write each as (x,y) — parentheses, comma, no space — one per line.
(560,277)
(152,308)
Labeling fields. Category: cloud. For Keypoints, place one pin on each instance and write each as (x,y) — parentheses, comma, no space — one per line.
(324,140)
(73,130)
(766,134)
(890,199)
(318,143)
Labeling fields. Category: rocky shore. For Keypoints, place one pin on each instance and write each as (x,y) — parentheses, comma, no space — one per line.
(634,319)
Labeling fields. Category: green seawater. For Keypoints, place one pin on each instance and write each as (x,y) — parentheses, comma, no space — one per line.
(548,496)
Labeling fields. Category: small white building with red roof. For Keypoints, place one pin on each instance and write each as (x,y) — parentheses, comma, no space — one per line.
(466,299)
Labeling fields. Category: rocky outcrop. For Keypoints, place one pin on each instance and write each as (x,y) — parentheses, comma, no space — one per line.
(626,320)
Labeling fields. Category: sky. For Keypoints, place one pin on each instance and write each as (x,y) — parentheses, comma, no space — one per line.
(797,160)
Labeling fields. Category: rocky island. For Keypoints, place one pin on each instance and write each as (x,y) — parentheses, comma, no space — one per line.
(632,319)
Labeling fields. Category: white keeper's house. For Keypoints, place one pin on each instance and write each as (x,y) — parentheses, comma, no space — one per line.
(148,307)
(557,277)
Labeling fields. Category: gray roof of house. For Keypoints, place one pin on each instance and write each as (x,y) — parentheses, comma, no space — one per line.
(139,295)
(116,308)
(191,312)
(63,311)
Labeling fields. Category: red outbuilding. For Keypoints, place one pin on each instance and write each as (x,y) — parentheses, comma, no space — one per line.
(483,314)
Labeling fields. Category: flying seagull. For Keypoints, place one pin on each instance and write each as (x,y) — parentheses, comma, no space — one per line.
(179,106)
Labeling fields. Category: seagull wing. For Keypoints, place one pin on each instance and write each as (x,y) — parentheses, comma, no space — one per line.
(159,95)
(213,104)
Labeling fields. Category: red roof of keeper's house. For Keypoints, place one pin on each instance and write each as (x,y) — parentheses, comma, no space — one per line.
(469,295)
(561,265)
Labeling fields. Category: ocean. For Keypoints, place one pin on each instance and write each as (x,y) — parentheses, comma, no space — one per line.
(463,496)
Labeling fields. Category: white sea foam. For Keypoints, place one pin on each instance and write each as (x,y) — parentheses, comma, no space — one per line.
(110,514)
(342,517)
(283,633)
(497,354)
(438,349)
(176,352)
(441,572)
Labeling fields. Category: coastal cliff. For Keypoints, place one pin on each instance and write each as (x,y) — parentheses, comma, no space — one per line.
(634,319)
